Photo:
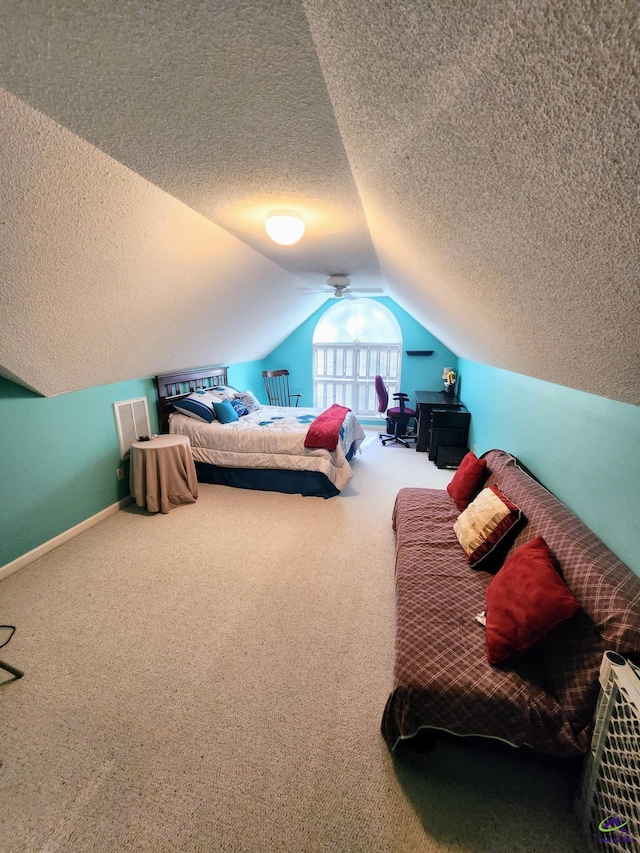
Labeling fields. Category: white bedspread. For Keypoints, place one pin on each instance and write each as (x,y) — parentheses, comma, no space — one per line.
(272,437)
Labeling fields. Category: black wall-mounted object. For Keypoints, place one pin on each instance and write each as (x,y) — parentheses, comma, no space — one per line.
(419,352)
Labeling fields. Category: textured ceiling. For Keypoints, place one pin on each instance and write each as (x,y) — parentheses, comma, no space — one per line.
(496,151)
(105,277)
(479,158)
(221,103)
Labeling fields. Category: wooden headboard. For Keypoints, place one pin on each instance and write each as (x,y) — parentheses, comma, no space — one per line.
(175,386)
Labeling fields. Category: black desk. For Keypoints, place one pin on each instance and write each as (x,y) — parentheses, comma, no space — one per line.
(426,401)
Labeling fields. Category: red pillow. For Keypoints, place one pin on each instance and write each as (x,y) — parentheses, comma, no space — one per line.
(525,600)
(467,479)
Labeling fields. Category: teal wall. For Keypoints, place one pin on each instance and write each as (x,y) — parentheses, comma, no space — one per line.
(247,376)
(419,373)
(60,454)
(584,448)
(59,460)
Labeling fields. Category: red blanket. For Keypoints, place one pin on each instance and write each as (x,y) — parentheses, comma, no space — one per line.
(324,432)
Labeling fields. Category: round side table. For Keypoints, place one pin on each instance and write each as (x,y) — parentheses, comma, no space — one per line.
(162,473)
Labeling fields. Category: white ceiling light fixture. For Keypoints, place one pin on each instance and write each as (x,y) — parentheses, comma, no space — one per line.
(284,228)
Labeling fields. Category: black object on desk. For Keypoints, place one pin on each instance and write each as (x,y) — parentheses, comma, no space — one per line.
(426,402)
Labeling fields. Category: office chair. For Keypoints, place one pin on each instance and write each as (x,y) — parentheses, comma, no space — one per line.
(399,415)
(276,383)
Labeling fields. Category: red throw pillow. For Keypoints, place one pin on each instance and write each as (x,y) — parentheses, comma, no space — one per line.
(467,479)
(525,600)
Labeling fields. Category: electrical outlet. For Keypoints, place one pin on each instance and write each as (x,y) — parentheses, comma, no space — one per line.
(121,473)
(475,448)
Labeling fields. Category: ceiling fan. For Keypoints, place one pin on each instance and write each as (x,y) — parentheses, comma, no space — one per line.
(341,286)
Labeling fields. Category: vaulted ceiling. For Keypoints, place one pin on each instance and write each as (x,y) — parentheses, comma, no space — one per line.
(479,160)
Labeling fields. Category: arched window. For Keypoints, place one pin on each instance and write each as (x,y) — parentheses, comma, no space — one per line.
(355,340)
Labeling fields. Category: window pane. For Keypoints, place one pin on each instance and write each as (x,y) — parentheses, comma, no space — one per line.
(353,320)
(355,340)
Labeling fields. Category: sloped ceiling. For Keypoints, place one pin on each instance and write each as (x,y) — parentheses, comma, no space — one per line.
(478,159)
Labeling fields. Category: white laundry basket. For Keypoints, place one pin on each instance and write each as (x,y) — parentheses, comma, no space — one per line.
(609,799)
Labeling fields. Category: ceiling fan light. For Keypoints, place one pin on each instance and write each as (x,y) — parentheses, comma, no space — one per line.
(284,229)
(339,280)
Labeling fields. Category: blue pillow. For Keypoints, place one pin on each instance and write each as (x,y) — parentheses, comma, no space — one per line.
(196,406)
(225,412)
(250,400)
(240,408)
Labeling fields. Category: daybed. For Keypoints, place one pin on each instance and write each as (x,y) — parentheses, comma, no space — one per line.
(543,697)
(263,449)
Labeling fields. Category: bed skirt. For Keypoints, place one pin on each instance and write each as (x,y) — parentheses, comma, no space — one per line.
(307,483)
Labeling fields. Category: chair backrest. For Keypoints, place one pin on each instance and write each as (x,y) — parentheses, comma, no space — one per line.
(276,383)
(383,394)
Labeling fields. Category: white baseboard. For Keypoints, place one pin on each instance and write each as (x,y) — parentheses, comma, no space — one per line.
(41,550)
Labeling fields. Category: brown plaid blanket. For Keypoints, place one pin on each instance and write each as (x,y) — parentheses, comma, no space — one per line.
(442,680)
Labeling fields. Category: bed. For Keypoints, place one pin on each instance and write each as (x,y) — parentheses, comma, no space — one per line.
(262,450)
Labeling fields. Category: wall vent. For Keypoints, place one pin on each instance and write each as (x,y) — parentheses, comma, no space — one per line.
(132,421)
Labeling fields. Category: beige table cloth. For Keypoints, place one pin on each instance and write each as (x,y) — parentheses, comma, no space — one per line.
(162,473)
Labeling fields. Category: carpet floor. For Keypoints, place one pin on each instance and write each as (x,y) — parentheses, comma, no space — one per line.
(213,679)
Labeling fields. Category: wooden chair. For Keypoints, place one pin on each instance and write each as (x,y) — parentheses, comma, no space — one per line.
(277,384)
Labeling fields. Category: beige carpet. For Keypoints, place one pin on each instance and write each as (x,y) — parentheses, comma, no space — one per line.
(213,680)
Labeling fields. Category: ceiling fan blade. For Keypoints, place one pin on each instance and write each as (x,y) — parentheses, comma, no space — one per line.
(339,292)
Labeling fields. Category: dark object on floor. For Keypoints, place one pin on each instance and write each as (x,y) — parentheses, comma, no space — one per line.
(449,428)
(450,457)
(17,673)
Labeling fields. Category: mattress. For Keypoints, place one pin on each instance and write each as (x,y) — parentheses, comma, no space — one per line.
(271,438)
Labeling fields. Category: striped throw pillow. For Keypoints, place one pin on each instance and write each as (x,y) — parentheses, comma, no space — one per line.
(198,405)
